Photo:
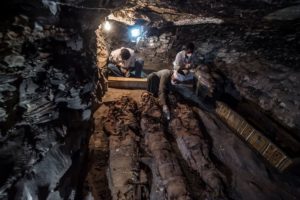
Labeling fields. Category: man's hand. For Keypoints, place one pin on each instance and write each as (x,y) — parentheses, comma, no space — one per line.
(120,64)
(127,73)
(174,80)
(123,70)
(187,66)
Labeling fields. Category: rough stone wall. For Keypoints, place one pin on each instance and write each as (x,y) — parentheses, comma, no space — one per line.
(102,50)
(154,49)
(260,70)
(48,79)
(46,107)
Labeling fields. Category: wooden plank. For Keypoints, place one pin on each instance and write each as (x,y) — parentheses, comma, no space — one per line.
(127,83)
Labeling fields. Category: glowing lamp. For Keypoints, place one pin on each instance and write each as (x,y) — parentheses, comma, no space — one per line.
(107,26)
(135,32)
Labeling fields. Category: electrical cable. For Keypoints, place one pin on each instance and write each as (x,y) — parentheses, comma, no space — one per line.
(76,6)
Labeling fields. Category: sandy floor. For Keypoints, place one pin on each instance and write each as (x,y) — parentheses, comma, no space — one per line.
(112,94)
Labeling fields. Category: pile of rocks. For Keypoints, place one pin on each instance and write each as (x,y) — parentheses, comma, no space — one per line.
(46,82)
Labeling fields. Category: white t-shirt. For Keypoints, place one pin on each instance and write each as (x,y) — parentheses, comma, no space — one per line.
(181,60)
(181,77)
(115,56)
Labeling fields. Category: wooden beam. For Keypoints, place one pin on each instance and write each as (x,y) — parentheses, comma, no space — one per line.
(127,83)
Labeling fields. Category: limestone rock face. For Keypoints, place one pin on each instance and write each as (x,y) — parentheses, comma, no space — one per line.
(273,87)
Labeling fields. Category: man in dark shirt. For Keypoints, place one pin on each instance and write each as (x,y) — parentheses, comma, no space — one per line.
(162,82)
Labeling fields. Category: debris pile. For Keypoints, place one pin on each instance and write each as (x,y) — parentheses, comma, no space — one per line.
(45,105)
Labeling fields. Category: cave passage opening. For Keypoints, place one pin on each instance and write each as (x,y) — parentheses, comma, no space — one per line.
(151,44)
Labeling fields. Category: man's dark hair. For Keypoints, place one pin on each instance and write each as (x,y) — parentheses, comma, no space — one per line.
(180,71)
(125,54)
(190,47)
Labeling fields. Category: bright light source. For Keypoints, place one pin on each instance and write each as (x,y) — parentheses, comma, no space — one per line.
(135,32)
(107,26)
